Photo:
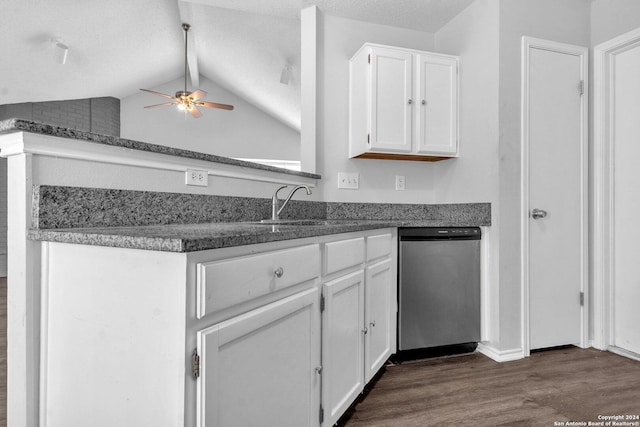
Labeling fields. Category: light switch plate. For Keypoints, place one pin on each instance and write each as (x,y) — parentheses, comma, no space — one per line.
(349,181)
(197,178)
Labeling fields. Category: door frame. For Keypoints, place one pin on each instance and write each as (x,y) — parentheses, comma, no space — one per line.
(529,43)
(603,179)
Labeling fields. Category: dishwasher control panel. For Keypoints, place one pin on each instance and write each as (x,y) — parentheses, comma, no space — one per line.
(435,233)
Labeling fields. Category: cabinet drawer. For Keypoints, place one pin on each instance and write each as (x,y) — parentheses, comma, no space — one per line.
(379,246)
(343,254)
(223,284)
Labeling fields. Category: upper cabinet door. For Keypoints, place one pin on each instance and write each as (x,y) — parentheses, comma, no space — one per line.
(437,105)
(391,100)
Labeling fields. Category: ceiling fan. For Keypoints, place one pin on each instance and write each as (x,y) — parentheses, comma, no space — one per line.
(185,100)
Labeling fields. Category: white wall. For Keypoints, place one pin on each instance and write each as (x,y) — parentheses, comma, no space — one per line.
(245,132)
(338,40)
(610,18)
(473,177)
(488,36)
(565,21)
(79,173)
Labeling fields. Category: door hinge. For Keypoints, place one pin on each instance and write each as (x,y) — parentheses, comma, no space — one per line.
(195,364)
(321,414)
(581,299)
(581,87)
(322,303)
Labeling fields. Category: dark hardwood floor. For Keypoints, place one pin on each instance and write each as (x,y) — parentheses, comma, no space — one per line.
(564,384)
(3,351)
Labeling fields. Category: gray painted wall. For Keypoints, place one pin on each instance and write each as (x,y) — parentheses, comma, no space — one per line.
(100,115)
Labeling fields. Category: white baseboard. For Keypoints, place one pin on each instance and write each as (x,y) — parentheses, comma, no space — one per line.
(500,355)
(625,353)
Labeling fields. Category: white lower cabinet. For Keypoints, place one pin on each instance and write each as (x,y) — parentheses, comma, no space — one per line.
(259,368)
(358,320)
(380,317)
(342,344)
(226,337)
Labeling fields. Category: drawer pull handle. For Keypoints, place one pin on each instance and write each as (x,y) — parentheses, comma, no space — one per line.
(279,272)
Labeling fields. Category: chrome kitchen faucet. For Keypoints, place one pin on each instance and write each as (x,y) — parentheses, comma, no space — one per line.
(275,210)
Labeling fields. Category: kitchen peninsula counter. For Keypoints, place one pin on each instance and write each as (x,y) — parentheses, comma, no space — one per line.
(197,237)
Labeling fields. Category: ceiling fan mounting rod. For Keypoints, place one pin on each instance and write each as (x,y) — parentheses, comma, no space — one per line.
(185,27)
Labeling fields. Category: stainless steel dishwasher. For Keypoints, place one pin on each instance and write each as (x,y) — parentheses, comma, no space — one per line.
(439,287)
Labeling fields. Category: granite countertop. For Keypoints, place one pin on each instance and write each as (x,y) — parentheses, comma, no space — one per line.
(198,237)
(21,125)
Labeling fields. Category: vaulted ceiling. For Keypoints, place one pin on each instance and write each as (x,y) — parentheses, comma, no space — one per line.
(117,47)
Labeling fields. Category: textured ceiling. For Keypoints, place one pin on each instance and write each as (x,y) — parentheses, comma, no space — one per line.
(119,46)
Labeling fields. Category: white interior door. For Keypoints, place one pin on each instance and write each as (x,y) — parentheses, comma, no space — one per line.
(626,134)
(555,132)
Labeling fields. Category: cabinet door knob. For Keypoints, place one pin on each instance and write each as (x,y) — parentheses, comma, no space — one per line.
(318,370)
(373,323)
(279,272)
(365,330)
(410,101)
(424,102)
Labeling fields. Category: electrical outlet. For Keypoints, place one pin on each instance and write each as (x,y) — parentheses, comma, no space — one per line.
(400,182)
(196,177)
(349,181)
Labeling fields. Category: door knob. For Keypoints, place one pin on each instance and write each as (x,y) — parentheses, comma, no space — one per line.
(538,213)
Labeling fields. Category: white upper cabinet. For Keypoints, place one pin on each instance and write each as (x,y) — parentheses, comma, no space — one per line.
(403,104)
(436,130)
(391,89)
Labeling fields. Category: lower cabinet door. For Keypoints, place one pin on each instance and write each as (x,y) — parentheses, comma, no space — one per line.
(380,317)
(260,368)
(342,344)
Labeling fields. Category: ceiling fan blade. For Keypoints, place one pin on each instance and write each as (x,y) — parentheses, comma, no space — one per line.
(158,93)
(214,105)
(197,94)
(161,105)
(195,113)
